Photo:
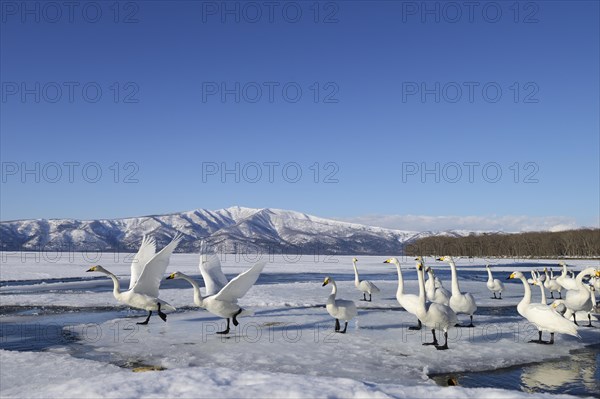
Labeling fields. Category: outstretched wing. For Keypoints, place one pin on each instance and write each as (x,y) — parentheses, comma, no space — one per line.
(238,287)
(144,254)
(210,268)
(154,270)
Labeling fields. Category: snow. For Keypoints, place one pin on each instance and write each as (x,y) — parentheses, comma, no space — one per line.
(286,348)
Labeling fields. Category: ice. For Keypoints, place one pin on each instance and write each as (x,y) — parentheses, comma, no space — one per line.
(287,348)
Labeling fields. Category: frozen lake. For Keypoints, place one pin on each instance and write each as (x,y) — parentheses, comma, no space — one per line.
(65,324)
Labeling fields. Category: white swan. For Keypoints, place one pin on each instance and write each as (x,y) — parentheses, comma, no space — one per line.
(147,269)
(433,293)
(339,309)
(434,315)
(459,302)
(543,316)
(551,284)
(495,285)
(408,301)
(567,282)
(580,299)
(224,302)
(364,286)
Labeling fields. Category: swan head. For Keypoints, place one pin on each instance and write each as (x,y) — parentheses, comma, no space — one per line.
(419,258)
(174,276)
(327,281)
(392,260)
(428,269)
(354,260)
(97,268)
(515,275)
(445,259)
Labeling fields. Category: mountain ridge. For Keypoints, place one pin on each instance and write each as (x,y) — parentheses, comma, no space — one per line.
(230,230)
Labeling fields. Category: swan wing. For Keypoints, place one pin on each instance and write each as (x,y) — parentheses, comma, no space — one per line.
(238,286)
(547,318)
(152,274)
(368,286)
(144,254)
(210,268)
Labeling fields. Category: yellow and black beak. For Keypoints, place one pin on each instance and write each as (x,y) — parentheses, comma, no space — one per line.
(171,276)
(386,261)
(91,269)
(598,273)
(420,267)
(440,259)
(325,282)
(512,275)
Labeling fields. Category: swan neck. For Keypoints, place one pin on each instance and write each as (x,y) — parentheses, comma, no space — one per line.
(400,290)
(489,273)
(421,279)
(356,279)
(455,287)
(197,294)
(527,297)
(116,286)
(544,301)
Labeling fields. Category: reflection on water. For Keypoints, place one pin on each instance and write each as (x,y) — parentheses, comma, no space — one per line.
(577,375)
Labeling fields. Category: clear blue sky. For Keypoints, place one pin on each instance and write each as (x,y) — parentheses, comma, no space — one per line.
(368,129)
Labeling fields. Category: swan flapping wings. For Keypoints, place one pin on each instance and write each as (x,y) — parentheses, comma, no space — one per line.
(210,268)
(153,271)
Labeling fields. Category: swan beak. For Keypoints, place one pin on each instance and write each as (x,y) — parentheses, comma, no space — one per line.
(171,276)
(440,259)
(512,275)
(428,269)
(325,282)
(91,269)
(420,267)
(386,261)
(597,273)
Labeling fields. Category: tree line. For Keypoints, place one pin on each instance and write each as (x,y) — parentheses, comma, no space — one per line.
(567,244)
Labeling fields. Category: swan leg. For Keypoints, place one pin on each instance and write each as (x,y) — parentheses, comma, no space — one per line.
(552,294)
(471,325)
(161,314)
(337,325)
(225,331)
(235,322)
(417,327)
(589,320)
(445,346)
(369,297)
(560,294)
(551,342)
(143,323)
(364,297)
(494,296)
(345,327)
(539,340)
(575,319)
(435,342)
(500,295)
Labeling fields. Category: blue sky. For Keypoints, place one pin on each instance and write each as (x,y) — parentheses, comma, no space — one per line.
(361,98)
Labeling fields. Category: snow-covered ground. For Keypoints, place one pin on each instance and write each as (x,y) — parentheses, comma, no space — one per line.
(73,335)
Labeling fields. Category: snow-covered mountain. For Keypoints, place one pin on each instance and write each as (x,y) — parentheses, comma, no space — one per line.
(234,229)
